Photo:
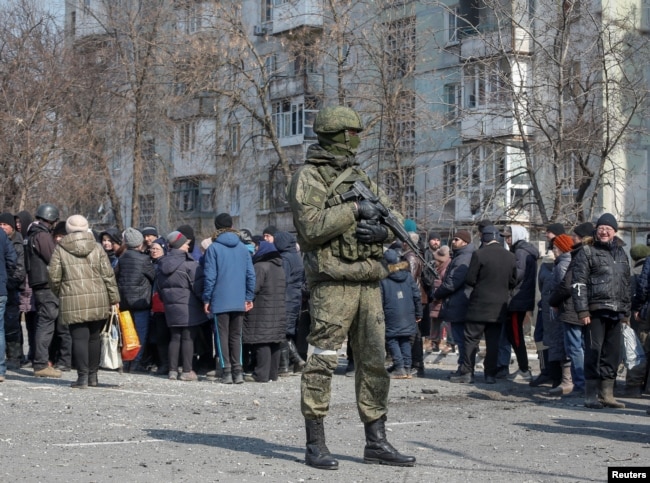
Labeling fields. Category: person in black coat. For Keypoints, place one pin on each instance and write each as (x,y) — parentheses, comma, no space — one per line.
(294,273)
(601,297)
(402,311)
(180,284)
(265,324)
(493,274)
(135,274)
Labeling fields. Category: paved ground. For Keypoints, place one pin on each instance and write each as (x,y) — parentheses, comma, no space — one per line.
(140,428)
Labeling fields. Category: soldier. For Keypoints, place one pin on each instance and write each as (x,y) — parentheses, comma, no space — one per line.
(342,245)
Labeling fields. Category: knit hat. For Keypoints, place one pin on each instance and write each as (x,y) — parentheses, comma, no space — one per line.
(483,224)
(188,231)
(76,223)
(608,220)
(409,225)
(149,230)
(638,252)
(441,254)
(434,235)
(132,238)
(584,229)
(563,242)
(176,239)
(163,244)
(269,230)
(489,233)
(556,228)
(464,235)
(8,219)
(223,220)
(391,256)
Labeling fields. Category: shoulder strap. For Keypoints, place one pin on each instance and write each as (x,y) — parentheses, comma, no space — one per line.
(339,179)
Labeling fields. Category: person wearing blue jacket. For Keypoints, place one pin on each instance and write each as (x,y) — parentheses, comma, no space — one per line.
(402,311)
(228,294)
(8,262)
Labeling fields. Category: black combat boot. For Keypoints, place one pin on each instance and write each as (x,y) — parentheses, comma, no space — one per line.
(317,454)
(378,450)
(92,379)
(81,382)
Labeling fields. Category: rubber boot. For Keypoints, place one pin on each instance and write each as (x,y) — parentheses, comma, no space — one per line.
(378,450)
(81,382)
(283,370)
(566,386)
(294,357)
(607,394)
(317,454)
(591,394)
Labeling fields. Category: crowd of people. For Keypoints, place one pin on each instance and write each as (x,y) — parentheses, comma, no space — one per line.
(237,307)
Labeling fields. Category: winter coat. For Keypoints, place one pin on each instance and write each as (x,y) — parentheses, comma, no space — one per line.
(82,277)
(135,274)
(436,304)
(553,330)
(523,295)
(454,292)
(229,274)
(545,284)
(416,266)
(179,282)
(38,251)
(492,273)
(642,288)
(16,278)
(601,279)
(561,296)
(265,322)
(294,273)
(8,263)
(401,300)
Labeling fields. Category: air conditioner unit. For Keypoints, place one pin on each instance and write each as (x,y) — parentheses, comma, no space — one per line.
(259,30)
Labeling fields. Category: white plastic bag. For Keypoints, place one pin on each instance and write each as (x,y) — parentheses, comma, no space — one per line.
(632,350)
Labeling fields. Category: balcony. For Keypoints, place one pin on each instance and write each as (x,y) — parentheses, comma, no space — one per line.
(481,124)
(297,14)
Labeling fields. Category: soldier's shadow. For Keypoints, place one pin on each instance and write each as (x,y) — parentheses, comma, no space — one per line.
(245,444)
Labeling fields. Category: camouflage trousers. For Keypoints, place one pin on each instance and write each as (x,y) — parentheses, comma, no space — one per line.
(339,309)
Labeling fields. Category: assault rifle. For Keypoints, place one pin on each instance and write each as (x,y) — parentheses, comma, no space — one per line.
(360,191)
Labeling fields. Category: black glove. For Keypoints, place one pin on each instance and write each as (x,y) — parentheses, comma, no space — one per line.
(367,210)
(367,233)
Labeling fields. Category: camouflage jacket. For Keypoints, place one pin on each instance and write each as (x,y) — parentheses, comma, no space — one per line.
(326,229)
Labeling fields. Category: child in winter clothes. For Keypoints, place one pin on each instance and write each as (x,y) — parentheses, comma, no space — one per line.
(402,310)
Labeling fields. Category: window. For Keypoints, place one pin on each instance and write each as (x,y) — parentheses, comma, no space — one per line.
(267,11)
(233,138)
(86,8)
(452,24)
(449,180)
(572,83)
(452,100)
(405,123)
(149,162)
(187,136)
(207,198)
(271,64)
(147,209)
(288,118)
(186,192)
(571,174)
(263,202)
(487,83)
(481,175)
(401,47)
(234,201)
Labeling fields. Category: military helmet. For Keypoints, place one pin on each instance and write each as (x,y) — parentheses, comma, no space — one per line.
(335,119)
(47,212)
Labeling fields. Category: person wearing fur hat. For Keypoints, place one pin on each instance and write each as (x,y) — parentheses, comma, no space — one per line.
(402,311)
(601,296)
(81,276)
(179,282)
(135,275)
(228,294)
